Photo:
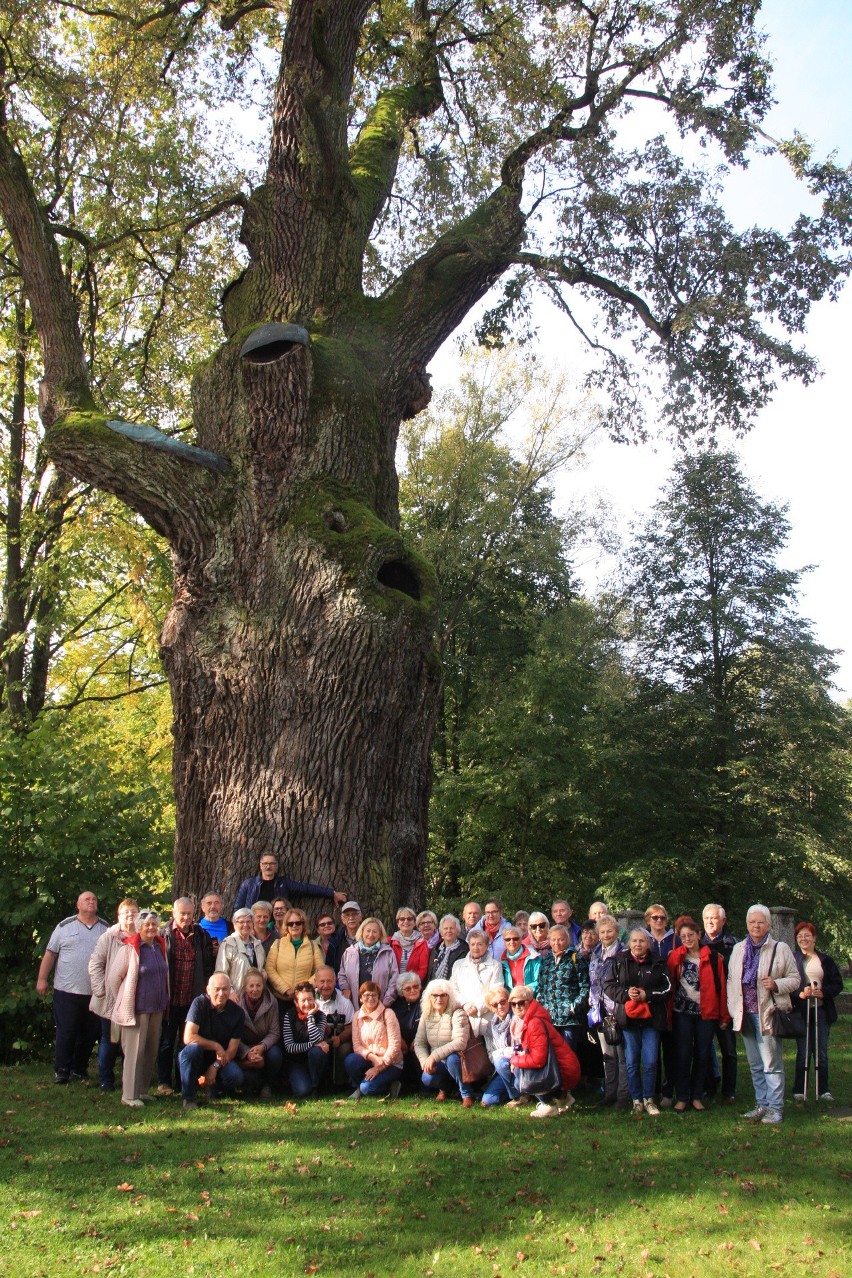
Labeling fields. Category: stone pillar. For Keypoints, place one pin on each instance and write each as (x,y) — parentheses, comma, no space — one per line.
(783,922)
(629,919)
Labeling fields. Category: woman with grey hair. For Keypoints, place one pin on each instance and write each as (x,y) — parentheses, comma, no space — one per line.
(427,926)
(241,952)
(762,975)
(406,1008)
(138,986)
(261,914)
(442,1033)
(473,976)
(539,931)
(449,949)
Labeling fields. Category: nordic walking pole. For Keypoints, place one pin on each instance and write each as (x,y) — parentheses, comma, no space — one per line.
(807,1045)
(816,1048)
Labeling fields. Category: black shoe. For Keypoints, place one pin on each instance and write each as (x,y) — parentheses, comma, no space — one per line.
(107,1087)
(60,1078)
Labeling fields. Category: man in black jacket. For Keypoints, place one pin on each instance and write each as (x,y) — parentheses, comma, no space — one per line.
(721,941)
(191,960)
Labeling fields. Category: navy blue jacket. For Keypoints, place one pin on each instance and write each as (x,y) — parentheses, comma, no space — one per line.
(249,890)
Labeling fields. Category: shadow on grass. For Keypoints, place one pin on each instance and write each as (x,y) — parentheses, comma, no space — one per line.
(380,1187)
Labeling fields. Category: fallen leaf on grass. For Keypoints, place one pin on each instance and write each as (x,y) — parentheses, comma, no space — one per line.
(124,1187)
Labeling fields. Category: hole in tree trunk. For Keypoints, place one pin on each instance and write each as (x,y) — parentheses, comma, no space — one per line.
(271,342)
(398,576)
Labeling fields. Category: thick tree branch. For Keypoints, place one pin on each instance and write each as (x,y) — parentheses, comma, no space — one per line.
(550,268)
(66,379)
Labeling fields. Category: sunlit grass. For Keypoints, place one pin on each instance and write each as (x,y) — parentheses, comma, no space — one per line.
(413,1188)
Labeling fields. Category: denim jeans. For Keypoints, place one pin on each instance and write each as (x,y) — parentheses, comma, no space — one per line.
(108,1054)
(640,1046)
(501,1087)
(195,1060)
(356,1067)
(765,1055)
(817,1051)
(306,1071)
(692,1037)
(448,1075)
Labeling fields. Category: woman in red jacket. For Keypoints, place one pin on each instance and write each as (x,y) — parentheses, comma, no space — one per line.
(533,1034)
(698,1007)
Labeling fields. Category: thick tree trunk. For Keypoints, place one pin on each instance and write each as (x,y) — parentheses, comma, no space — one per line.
(300,647)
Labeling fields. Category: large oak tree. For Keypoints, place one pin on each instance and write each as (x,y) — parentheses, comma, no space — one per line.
(419,154)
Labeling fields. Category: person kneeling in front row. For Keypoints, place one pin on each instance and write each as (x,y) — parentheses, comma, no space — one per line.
(212,1035)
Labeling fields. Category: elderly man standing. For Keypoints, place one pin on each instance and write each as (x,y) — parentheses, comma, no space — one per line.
(69,949)
(269,884)
(189,953)
(212,1036)
(721,941)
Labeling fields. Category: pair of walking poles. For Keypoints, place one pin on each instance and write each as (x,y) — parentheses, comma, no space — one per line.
(811,1006)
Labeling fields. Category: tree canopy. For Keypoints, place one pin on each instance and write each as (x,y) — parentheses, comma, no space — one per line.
(417,155)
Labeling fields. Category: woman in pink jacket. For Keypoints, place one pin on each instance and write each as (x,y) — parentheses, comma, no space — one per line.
(374,1066)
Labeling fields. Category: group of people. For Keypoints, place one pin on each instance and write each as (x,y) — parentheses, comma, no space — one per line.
(496,1012)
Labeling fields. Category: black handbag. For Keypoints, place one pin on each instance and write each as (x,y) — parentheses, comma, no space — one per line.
(540,1082)
(612,1031)
(785,1024)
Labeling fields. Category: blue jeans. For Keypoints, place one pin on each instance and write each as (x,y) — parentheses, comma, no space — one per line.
(765,1054)
(573,1036)
(447,1075)
(501,1087)
(640,1046)
(195,1060)
(306,1071)
(692,1038)
(356,1067)
(816,1050)
(108,1054)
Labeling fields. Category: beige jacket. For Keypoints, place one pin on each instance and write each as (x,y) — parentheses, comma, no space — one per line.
(103,956)
(376,1036)
(440,1036)
(779,957)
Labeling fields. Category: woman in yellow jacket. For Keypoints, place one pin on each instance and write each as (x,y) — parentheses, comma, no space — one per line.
(292,959)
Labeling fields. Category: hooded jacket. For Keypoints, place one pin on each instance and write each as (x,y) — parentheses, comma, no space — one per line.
(537,1035)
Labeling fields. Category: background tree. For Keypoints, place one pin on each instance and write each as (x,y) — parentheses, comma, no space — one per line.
(415,158)
(730,773)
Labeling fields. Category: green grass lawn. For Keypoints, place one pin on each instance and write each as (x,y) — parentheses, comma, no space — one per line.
(413,1188)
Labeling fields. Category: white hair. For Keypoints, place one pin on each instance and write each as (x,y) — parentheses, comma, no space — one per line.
(759,909)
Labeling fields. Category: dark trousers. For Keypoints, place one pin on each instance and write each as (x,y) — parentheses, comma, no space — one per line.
(77,1031)
(692,1038)
(171,1045)
(108,1054)
(816,1050)
(727,1040)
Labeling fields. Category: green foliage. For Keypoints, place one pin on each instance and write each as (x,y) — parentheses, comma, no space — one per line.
(728,776)
(78,809)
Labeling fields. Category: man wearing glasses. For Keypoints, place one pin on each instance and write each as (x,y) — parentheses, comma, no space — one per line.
(269,884)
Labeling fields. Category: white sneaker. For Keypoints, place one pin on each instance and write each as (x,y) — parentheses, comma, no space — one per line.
(638,1107)
(134,1104)
(651,1108)
(565,1104)
(825,1096)
(757,1112)
(773,1116)
(543,1110)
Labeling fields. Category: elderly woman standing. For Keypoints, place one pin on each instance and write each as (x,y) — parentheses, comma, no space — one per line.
(371,958)
(698,1008)
(821,982)
(101,1004)
(138,984)
(241,952)
(616,1089)
(520,962)
(442,1033)
(411,950)
(563,986)
(374,1065)
(449,950)
(292,960)
(262,929)
(472,978)
(539,930)
(762,974)
(639,984)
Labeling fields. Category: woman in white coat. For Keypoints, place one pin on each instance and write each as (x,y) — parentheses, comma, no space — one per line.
(473,976)
(762,974)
